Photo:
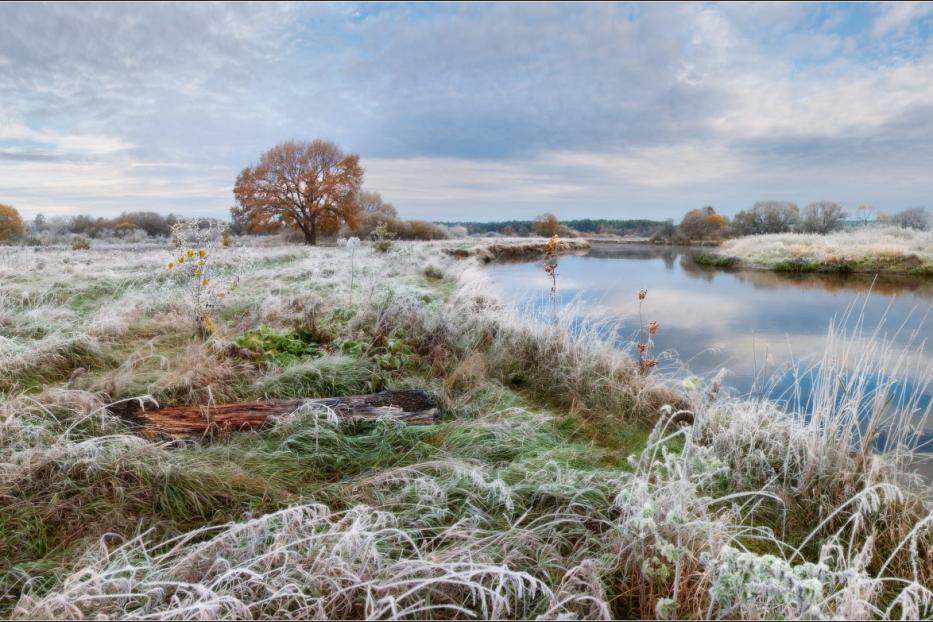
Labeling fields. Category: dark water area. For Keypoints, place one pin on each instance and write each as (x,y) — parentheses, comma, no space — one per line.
(763,328)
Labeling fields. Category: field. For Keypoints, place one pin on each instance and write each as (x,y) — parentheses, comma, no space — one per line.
(561,481)
(874,250)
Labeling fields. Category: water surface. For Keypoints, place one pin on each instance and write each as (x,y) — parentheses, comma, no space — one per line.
(754,324)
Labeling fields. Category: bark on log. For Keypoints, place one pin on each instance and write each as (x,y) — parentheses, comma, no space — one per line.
(180,422)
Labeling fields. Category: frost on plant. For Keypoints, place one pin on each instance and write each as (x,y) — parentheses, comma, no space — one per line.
(751,584)
(194,266)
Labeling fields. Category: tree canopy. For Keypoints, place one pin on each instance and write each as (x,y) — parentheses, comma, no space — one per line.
(547,225)
(767,217)
(372,203)
(11,223)
(822,217)
(311,186)
(703,224)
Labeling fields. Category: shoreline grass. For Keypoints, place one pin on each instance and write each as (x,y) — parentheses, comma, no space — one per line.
(561,482)
(511,248)
(873,250)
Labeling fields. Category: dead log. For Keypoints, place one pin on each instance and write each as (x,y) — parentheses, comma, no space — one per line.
(181,422)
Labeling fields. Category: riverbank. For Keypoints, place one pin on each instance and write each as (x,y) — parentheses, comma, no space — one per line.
(663,242)
(509,248)
(875,250)
(559,482)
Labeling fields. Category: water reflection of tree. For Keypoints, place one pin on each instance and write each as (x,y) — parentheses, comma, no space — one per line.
(694,271)
(860,283)
(888,284)
(667,254)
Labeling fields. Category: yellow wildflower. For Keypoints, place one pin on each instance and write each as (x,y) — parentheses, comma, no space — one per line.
(201,252)
(204,282)
(197,273)
(190,253)
(171,265)
(181,259)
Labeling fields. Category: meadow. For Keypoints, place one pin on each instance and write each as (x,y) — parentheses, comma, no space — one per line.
(564,480)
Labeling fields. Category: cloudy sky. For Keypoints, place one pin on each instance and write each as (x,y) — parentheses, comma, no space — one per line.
(479,112)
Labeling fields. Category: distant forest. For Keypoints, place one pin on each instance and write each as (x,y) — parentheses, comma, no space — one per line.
(637,227)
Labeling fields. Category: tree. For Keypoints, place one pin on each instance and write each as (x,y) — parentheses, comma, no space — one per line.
(39,223)
(372,203)
(152,223)
(310,186)
(84,224)
(914,218)
(11,223)
(767,217)
(865,213)
(666,231)
(252,222)
(822,217)
(703,224)
(547,225)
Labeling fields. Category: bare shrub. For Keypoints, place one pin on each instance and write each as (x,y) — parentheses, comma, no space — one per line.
(822,217)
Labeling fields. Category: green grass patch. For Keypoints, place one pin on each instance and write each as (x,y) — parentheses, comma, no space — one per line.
(89,299)
(392,353)
(279,348)
(712,260)
(325,376)
(839,267)
(58,364)
(797,264)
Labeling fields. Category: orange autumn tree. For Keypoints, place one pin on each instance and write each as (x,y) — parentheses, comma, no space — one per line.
(311,186)
(546,225)
(11,223)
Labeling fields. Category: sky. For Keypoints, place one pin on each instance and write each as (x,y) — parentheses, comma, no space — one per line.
(471,111)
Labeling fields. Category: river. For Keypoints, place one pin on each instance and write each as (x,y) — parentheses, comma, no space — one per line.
(765,329)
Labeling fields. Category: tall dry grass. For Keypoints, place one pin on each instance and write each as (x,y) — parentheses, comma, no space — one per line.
(516,506)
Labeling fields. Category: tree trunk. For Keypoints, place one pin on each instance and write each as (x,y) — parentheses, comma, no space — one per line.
(412,407)
(311,234)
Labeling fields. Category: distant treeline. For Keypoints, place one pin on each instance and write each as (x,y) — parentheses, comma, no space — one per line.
(633,227)
(125,225)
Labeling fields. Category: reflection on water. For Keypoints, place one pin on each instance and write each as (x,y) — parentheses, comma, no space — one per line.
(752,323)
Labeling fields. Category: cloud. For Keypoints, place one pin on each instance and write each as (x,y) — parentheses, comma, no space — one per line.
(896,16)
(661,166)
(54,186)
(435,180)
(463,110)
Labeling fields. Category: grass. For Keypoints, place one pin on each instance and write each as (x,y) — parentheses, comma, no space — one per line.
(335,374)
(561,482)
(876,249)
(510,248)
(796,264)
(716,261)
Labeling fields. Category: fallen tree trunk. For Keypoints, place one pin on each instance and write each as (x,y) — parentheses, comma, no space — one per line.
(179,422)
